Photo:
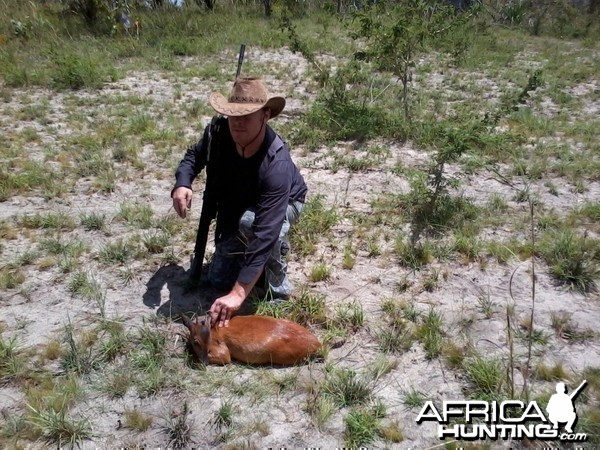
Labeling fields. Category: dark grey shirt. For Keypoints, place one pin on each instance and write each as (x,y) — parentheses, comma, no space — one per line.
(266,182)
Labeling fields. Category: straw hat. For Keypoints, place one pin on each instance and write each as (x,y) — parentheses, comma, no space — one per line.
(247,96)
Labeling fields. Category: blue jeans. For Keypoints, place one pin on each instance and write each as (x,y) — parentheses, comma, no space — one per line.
(229,256)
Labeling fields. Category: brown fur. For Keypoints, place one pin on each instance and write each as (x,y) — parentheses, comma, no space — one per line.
(252,340)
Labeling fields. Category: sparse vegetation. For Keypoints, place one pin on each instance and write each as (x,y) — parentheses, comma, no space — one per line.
(422,142)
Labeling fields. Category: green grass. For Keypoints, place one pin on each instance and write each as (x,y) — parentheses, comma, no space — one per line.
(361,427)
(572,258)
(414,398)
(486,376)
(177,426)
(430,333)
(118,252)
(65,137)
(13,361)
(58,428)
(346,387)
(317,221)
(93,221)
(137,215)
(320,272)
(223,417)
(137,420)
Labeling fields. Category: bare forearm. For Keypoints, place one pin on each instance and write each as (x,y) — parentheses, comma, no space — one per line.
(224,307)
(242,290)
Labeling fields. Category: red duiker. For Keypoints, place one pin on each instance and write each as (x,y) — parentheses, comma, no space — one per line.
(252,340)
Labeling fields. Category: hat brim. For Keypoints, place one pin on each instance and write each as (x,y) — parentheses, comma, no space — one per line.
(221,105)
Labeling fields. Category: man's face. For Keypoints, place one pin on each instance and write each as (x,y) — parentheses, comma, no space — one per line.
(244,129)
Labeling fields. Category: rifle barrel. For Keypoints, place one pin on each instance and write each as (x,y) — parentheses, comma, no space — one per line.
(240,60)
(579,388)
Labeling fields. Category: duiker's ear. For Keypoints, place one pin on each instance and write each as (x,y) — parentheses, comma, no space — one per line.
(205,328)
(187,322)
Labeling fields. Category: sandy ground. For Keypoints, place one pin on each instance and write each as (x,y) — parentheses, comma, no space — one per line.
(39,310)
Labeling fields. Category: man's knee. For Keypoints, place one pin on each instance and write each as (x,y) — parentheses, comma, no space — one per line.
(246,222)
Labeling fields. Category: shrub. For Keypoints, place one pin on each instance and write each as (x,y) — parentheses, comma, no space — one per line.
(572,259)
(76,71)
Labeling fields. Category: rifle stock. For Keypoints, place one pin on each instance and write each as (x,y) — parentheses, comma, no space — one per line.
(206,217)
(209,205)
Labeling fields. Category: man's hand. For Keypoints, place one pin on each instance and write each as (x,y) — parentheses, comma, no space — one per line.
(224,307)
(182,200)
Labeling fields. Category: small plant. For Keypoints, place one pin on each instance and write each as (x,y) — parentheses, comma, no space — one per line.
(118,252)
(139,215)
(11,277)
(430,283)
(321,409)
(117,384)
(57,428)
(361,427)
(381,367)
(414,398)
(320,272)
(178,428)
(77,71)
(349,257)
(223,418)
(137,420)
(55,221)
(316,222)
(373,246)
(430,333)
(392,432)
(571,259)
(71,248)
(307,309)
(345,387)
(12,361)
(349,316)
(155,242)
(78,358)
(486,375)
(84,285)
(93,221)
(530,334)
(564,327)
(454,354)
(550,373)
(486,305)
(412,256)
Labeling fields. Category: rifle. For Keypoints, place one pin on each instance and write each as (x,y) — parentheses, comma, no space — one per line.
(209,204)
(576,392)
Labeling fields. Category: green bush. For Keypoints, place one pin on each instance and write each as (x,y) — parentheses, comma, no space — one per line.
(77,71)
(572,258)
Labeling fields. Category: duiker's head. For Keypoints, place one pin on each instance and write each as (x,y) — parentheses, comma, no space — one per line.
(199,337)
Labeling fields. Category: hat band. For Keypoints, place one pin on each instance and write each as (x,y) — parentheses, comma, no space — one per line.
(242,99)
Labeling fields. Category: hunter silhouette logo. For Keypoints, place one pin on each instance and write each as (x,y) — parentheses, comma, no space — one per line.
(508,419)
(560,406)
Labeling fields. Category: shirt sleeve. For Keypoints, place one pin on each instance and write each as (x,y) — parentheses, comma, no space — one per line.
(269,217)
(193,162)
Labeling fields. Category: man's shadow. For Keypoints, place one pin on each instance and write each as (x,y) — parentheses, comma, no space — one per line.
(171,293)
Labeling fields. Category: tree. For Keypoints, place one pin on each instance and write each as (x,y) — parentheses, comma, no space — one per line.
(395,35)
(268,7)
